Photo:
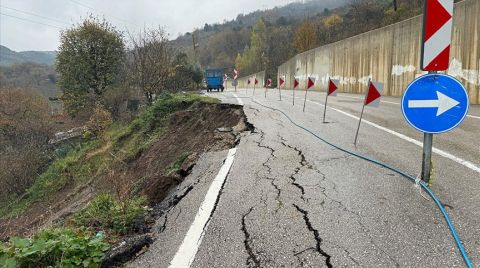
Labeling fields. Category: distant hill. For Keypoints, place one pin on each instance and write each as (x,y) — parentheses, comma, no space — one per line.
(297,11)
(9,57)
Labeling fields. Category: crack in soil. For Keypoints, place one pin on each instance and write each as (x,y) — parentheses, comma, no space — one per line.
(316,235)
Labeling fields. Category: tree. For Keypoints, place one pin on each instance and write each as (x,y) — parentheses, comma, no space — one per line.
(331,23)
(305,37)
(149,62)
(254,57)
(279,50)
(25,127)
(89,61)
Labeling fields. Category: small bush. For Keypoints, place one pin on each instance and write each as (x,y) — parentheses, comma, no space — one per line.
(177,164)
(100,120)
(54,248)
(108,214)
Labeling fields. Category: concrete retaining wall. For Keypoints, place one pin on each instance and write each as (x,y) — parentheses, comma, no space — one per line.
(391,55)
(243,81)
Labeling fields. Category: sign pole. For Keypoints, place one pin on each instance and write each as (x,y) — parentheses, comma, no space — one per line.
(280,91)
(325,108)
(427,153)
(305,100)
(293,99)
(359,122)
(427,156)
(361,114)
(326,100)
(265,91)
(254,85)
(306,86)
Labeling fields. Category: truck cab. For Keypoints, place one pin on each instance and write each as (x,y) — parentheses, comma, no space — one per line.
(214,79)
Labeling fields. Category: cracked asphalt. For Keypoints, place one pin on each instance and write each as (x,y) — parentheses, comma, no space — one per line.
(292,201)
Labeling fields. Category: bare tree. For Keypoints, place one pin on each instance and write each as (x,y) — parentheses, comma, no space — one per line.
(149,62)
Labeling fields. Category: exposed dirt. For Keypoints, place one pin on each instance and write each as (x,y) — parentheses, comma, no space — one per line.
(189,133)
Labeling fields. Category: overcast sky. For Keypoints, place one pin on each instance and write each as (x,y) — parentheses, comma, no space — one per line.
(176,16)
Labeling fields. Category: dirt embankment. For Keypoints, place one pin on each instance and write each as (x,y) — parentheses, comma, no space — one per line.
(188,133)
(203,127)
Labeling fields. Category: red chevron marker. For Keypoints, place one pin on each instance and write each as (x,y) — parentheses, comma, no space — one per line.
(437,35)
(256,81)
(333,86)
(374,94)
(248,82)
(280,82)
(269,82)
(311,82)
(295,83)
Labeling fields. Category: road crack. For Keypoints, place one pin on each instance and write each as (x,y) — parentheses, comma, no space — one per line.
(252,260)
(316,235)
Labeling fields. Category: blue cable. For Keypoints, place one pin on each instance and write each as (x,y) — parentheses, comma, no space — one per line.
(422,183)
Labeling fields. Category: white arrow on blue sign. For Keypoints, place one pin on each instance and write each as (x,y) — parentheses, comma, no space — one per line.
(435,103)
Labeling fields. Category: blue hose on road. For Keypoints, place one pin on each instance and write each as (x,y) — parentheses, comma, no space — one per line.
(398,171)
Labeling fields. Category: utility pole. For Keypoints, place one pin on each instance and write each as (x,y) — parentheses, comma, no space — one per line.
(195,46)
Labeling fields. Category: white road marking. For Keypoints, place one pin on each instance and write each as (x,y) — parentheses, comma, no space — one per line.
(473,116)
(450,156)
(240,102)
(189,247)
(396,103)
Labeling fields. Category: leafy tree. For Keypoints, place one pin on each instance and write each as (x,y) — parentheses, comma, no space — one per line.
(305,37)
(331,22)
(254,57)
(279,50)
(89,61)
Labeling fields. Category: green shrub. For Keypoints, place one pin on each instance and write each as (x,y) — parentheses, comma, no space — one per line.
(177,164)
(108,214)
(54,248)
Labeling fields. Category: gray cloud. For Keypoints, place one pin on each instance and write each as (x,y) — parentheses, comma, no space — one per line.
(176,16)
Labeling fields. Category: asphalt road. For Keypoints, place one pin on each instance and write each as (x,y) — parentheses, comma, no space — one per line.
(290,200)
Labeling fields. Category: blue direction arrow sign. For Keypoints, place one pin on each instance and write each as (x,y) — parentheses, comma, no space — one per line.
(435,103)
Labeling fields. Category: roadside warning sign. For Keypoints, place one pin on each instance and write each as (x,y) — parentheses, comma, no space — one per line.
(437,35)
(373,94)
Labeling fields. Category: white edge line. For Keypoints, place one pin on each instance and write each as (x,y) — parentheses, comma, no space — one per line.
(459,160)
(189,247)
(396,103)
(240,102)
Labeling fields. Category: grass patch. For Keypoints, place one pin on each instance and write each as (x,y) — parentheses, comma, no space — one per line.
(105,213)
(177,164)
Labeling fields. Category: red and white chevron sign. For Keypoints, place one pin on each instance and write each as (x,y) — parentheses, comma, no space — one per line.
(269,82)
(235,74)
(437,35)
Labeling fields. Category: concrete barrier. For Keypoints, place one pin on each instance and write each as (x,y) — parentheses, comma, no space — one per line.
(242,81)
(392,55)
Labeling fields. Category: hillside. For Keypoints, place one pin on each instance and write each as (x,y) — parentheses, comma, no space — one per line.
(9,57)
(288,14)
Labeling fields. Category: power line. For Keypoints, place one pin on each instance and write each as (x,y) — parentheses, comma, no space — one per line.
(33,14)
(29,20)
(92,8)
